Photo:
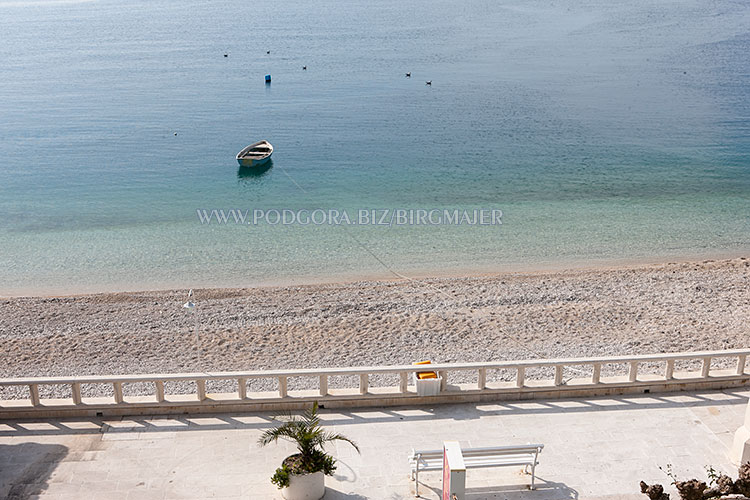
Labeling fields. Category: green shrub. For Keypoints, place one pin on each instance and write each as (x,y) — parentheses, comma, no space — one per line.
(281,477)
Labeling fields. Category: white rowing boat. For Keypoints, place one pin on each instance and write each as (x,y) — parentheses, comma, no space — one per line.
(255,154)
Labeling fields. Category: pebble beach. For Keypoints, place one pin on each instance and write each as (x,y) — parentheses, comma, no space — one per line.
(635,310)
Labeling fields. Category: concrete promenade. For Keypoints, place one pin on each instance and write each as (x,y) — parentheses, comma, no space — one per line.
(595,448)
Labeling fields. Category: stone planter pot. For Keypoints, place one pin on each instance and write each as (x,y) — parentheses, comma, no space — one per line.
(305,487)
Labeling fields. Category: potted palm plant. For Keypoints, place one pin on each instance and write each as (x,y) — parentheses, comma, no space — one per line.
(302,475)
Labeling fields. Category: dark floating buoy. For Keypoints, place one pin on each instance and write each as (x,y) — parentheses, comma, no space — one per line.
(304,68)
(268,52)
(408,75)
(175,133)
(428,83)
(268,78)
(226,55)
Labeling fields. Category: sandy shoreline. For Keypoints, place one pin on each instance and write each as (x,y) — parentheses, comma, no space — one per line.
(644,309)
(384,275)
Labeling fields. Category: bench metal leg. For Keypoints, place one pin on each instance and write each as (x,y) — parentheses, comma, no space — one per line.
(533,469)
(416,478)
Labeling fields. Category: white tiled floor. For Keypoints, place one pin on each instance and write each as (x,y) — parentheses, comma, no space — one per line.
(594,448)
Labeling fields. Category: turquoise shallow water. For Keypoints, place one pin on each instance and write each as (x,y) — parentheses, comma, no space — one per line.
(604,133)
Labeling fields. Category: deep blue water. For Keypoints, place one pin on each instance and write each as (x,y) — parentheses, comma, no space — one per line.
(604,131)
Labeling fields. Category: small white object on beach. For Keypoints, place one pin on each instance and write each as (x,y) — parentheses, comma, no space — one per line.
(189,304)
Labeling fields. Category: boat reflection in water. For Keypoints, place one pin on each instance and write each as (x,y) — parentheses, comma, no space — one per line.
(254,172)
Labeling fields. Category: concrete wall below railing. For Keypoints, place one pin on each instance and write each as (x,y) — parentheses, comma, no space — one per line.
(632,380)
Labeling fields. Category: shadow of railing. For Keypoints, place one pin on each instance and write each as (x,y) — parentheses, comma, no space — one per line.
(343,417)
(26,468)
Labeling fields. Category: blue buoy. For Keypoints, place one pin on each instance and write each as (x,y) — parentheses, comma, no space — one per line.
(268,78)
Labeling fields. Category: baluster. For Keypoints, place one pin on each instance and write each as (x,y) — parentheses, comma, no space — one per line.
(76,389)
(282,387)
(521,376)
(242,388)
(324,385)
(403,382)
(118,392)
(706,367)
(364,383)
(741,360)
(596,377)
(201,384)
(558,374)
(633,371)
(34,395)
(669,374)
(482,379)
(160,396)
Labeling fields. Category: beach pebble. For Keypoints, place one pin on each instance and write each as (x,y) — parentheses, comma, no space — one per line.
(648,309)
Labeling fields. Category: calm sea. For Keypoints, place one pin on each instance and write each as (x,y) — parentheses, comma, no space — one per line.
(604,131)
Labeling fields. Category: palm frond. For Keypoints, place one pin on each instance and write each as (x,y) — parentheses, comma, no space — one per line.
(330,437)
(289,432)
(305,431)
(311,416)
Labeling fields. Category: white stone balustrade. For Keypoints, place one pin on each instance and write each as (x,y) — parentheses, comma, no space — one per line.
(532,379)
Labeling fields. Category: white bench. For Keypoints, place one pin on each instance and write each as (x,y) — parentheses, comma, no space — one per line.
(498,456)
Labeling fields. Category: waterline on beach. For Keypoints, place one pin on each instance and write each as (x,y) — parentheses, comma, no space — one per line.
(600,132)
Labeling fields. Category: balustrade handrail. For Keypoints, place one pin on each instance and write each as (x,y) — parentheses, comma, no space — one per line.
(373,370)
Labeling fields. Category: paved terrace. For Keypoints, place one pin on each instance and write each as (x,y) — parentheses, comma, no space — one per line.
(595,448)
